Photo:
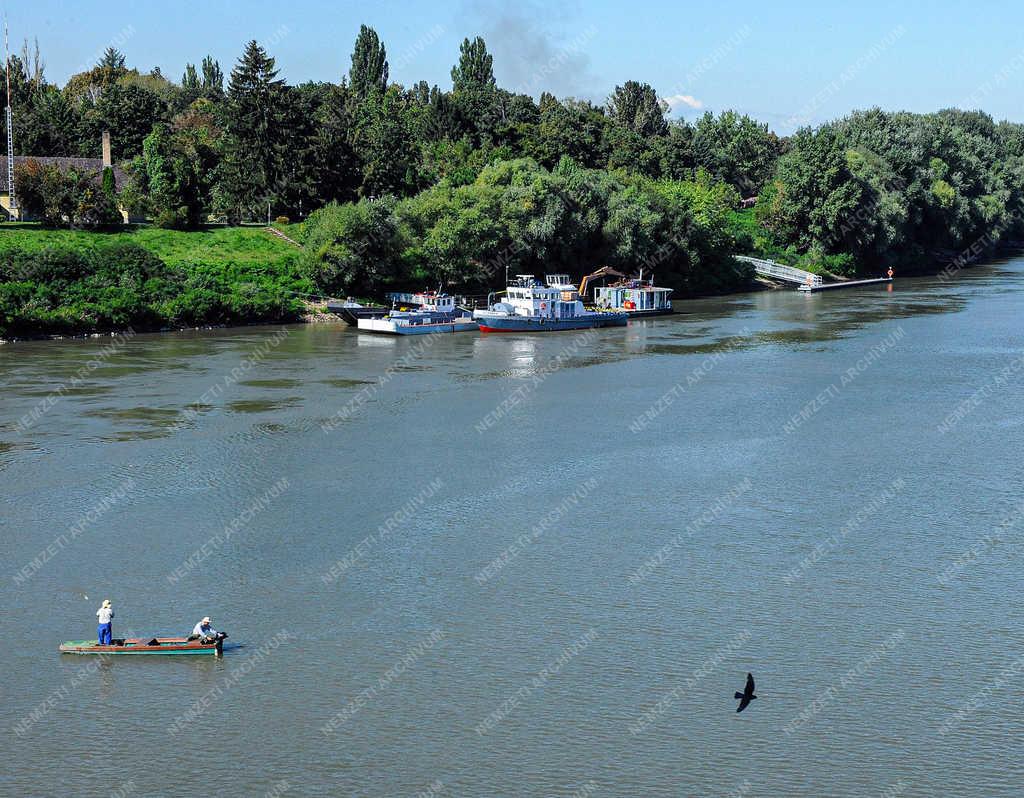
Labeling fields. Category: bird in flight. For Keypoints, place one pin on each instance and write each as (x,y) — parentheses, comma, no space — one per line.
(747,695)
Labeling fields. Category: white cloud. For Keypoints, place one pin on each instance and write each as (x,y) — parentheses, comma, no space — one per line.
(683,99)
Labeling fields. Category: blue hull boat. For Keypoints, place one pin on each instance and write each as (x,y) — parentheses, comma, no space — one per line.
(495,323)
(533,306)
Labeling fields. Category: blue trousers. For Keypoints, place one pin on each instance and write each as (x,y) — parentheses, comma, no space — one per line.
(103,633)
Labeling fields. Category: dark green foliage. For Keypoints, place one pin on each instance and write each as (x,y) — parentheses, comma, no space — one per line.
(171,180)
(251,175)
(736,149)
(475,68)
(213,78)
(383,141)
(518,216)
(474,93)
(60,291)
(880,188)
(65,197)
(477,169)
(636,107)
(190,80)
(575,129)
(353,247)
(129,112)
(112,63)
(109,184)
(369,71)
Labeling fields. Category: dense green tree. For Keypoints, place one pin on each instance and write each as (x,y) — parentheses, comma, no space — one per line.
(813,193)
(171,179)
(353,247)
(65,197)
(111,66)
(736,149)
(385,146)
(190,80)
(474,92)
(303,170)
(213,78)
(635,107)
(338,172)
(369,69)
(254,145)
(128,112)
(475,67)
(56,125)
(574,128)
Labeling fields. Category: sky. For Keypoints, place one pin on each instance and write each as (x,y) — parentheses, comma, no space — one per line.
(783,62)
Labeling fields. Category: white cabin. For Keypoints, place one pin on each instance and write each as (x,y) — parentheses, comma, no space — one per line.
(527,296)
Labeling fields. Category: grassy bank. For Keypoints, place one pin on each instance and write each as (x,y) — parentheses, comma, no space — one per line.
(213,245)
(71,282)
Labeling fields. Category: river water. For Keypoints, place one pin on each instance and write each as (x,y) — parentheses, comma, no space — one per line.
(528,566)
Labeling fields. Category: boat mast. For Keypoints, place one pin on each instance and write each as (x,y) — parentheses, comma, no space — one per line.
(13,201)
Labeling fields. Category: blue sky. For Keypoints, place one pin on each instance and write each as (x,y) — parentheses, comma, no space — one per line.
(786,63)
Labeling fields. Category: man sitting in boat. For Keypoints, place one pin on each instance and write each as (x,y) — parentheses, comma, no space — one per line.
(204,632)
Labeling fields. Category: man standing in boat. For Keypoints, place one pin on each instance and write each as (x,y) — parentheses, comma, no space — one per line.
(105,617)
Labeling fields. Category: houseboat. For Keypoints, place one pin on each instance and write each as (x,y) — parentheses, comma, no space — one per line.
(532,306)
(635,296)
(434,312)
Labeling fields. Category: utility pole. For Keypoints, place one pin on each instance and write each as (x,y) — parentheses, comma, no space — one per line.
(13,204)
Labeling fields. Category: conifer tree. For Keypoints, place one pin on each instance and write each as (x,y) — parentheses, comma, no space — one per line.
(254,142)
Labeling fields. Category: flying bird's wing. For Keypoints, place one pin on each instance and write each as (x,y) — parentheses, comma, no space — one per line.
(750,684)
(743,703)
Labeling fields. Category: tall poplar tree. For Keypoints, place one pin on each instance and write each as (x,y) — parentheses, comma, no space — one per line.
(369,63)
(474,91)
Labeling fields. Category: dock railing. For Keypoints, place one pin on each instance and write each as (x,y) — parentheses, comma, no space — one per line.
(779,271)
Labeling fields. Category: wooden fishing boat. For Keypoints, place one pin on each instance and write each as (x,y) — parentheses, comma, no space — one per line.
(141,645)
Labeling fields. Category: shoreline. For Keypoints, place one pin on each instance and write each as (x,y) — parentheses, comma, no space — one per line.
(316,314)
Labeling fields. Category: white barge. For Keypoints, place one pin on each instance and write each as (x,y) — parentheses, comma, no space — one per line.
(437,313)
(636,297)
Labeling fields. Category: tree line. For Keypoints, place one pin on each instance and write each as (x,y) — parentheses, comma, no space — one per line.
(424,182)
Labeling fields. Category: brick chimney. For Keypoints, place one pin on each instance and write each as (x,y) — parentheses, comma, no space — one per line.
(106,148)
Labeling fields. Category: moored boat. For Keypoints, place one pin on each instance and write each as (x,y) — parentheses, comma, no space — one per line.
(436,313)
(351,311)
(635,296)
(135,646)
(533,306)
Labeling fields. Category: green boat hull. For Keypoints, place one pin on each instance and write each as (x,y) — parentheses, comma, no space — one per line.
(138,648)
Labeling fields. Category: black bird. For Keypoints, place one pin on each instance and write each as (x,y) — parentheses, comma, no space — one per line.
(747,695)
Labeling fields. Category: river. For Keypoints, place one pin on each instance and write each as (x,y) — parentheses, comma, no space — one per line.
(528,566)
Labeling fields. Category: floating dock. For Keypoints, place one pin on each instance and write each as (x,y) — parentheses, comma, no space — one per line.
(811,289)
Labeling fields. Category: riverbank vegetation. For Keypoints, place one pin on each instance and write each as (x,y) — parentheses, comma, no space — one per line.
(57,282)
(392,186)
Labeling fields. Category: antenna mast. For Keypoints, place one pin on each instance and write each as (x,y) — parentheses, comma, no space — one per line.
(13,203)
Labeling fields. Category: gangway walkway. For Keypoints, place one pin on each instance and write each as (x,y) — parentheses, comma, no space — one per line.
(778,271)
